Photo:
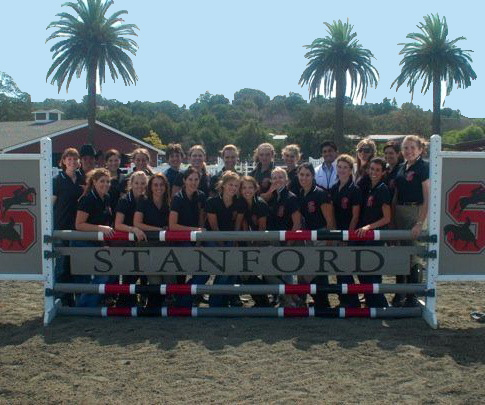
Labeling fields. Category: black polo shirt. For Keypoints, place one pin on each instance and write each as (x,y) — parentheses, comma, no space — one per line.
(97,208)
(188,209)
(281,207)
(152,215)
(409,182)
(226,216)
(67,193)
(127,206)
(365,184)
(259,209)
(310,207)
(375,198)
(262,177)
(174,177)
(82,174)
(390,178)
(293,183)
(116,188)
(343,201)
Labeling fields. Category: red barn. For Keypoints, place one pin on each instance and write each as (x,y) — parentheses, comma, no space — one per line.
(24,136)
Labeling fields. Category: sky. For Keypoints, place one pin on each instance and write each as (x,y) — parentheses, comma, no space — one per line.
(189,47)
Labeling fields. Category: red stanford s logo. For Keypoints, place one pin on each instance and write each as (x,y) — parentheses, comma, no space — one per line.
(465,205)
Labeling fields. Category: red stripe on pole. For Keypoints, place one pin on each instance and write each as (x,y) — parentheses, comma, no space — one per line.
(298,235)
(117,289)
(357,312)
(177,236)
(295,312)
(179,289)
(118,235)
(120,311)
(360,289)
(297,289)
(368,235)
(179,311)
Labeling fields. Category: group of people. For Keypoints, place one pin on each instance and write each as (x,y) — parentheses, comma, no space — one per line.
(362,193)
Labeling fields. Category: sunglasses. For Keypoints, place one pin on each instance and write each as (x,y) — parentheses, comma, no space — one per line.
(364,150)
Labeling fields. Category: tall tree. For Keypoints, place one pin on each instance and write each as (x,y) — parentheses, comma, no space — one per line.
(434,58)
(88,42)
(334,58)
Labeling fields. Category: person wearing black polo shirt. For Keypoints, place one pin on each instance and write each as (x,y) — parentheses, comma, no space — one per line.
(112,163)
(230,156)
(94,215)
(197,157)
(221,216)
(284,215)
(366,151)
(393,156)
(175,155)
(376,214)
(411,201)
(264,158)
(291,154)
(347,200)
(187,213)
(67,187)
(317,212)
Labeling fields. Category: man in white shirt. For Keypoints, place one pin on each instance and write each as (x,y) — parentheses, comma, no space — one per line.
(326,173)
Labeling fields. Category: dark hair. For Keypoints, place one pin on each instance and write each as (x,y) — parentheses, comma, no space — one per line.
(308,166)
(396,147)
(327,142)
(111,152)
(165,199)
(68,152)
(189,171)
(379,161)
(87,150)
(174,148)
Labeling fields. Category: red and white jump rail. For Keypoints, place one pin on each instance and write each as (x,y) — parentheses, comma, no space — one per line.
(243,312)
(237,289)
(243,236)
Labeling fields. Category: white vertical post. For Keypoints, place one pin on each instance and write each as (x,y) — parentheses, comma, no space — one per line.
(45,163)
(434,213)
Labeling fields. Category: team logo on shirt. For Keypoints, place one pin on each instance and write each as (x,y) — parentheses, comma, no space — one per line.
(311,207)
(17,224)
(410,175)
(370,201)
(344,203)
(281,211)
(465,205)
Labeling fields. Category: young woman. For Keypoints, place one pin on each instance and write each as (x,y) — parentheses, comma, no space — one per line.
(366,150)
(221,216)
(175,154)
(264,158)
(393,156)
(187,213)
(284,215)
(112,163)
(197,157)
(151,214)
(94,215)
(376,214)
(141,160)
(317,212)
(230,156)
(291,155)
(347,200)
(411,201)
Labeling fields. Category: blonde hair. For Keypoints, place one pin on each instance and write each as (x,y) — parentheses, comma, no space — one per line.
(361,169)
(281,170)
(201,149)
(347,159)
(93,176)
(139,173)
(294,149)
(420,142)
(265,145)
(226,177)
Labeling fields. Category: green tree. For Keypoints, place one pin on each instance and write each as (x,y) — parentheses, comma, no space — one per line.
(334,58)
(89,41)
(434,58)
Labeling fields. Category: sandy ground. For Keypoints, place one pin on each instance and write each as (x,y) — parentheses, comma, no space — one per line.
(92,360)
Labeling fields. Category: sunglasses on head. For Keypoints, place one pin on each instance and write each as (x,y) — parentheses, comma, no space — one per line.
(364,150)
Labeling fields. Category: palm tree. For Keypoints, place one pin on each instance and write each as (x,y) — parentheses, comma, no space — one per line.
(433,58)
(334,58)
(90,41)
